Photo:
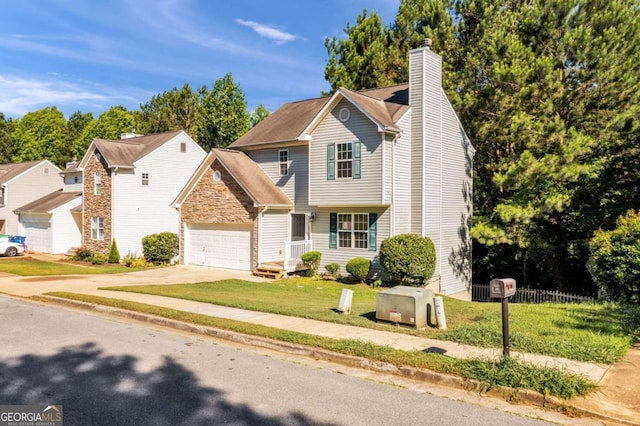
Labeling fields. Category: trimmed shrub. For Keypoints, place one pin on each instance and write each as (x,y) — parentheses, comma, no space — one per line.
(311,261)
(82,254)
(138,263)
(408,258)
(614,260)
(333,269)
(160,248)
(99,259)
(114,254)
(359,268)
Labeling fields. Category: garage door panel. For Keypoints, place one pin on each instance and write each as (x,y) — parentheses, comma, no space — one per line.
(219,245)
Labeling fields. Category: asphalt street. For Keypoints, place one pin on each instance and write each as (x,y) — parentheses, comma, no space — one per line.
(111,372)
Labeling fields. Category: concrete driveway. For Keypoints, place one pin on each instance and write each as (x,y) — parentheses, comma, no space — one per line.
(177,274)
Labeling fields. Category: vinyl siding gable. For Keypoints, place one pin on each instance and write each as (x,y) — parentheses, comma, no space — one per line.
(366,190)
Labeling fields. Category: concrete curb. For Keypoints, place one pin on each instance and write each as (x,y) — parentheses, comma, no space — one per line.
(515,396)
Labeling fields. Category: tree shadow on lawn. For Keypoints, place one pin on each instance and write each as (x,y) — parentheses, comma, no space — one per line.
(617,320)
(98,389)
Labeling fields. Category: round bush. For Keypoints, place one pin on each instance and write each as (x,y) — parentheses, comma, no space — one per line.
(311,260)
(359,268)
(408,258)
(614,260)
(333,269)
(160,248)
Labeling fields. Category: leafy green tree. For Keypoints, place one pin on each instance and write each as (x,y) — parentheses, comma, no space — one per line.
(39,135)
(109,125)
(361,60)
(259,114)
(176,109)
(6,141)
(76,124)
(223,114)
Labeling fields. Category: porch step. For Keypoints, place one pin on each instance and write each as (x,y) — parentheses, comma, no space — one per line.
(269,271)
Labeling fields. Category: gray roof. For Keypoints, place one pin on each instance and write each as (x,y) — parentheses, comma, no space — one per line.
(9,171)
(49,202)
(386,105)
(125,152)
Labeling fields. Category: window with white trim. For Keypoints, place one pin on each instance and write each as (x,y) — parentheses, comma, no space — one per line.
(97,228)
(145,179)
(97,188)
(353,230)
(283,160)
(344,160)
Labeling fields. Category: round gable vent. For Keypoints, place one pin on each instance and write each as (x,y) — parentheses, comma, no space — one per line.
(344,114)
(217,176)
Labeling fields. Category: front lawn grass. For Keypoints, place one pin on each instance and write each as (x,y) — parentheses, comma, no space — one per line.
(584,332)
(28,266)
(507,372)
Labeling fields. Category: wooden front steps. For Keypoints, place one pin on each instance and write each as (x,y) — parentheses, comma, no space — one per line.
(270,270)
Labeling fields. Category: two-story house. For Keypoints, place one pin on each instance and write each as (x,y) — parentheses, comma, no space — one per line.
(128,186)
(339,174)
(22,183)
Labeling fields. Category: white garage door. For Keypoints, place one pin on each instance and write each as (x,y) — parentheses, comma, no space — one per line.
(38,233)
(222,246)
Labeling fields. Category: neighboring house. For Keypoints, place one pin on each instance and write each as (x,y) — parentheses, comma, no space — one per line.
(52,223)
(128,186)
(22,183)
(357,167)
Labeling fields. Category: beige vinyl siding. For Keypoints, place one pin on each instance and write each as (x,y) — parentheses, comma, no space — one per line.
(402,201)
(273,234)
(66,227)
(320,236)
(457,204)
(296,183)
(416,100)
(28,187)
(346,191)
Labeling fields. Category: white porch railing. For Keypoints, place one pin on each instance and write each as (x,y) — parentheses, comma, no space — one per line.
(293,250)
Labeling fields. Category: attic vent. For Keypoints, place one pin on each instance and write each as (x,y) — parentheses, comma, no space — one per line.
(45,171)
(217,176)
(183,147)
(344,114)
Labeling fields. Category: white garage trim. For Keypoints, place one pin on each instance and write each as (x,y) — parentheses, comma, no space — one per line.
(219,245)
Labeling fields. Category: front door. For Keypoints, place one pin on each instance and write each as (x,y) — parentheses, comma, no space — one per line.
(298,227)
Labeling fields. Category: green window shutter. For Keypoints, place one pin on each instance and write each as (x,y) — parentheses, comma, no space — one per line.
(373,231)
(333,230)
(331,162)
(356,159)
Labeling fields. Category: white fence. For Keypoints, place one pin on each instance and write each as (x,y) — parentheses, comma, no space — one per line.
(293,250)
(480,293)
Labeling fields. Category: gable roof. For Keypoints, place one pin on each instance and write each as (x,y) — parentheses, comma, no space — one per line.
(125,152)
(48,203)
(289,123)
(249,175)
(11,171)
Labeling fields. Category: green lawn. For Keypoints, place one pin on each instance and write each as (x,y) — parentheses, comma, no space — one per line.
(28,266)
(584,332)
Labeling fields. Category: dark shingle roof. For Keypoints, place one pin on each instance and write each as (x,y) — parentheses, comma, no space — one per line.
(49,202)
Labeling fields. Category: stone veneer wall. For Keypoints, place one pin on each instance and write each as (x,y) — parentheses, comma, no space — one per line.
(219,202)
(96,205)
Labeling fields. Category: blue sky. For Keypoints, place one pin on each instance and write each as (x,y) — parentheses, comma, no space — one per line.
(90,55)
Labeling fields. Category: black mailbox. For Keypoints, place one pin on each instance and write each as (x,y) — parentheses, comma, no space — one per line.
(502,288)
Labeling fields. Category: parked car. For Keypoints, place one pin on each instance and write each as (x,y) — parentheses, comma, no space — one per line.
(11,248)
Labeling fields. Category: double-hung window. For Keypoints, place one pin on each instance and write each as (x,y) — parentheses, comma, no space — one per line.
(145,179)
(97,228)
(344,160)
(353,230)
(283,160)
(98,183)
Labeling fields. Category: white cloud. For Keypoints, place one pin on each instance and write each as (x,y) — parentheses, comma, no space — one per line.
(272,33)
(19,96)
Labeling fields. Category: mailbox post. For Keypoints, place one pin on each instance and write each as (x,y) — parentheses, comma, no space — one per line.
(503,288)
